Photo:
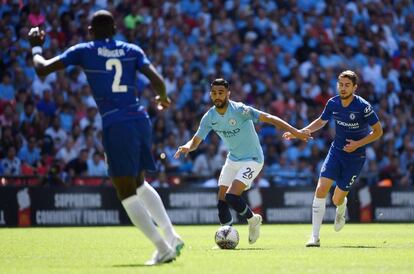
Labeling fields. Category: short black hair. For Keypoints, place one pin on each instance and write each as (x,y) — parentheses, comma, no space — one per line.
(103,24)
(220,82)
(350,75)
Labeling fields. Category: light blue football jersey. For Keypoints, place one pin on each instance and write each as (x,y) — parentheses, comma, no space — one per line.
(236,129)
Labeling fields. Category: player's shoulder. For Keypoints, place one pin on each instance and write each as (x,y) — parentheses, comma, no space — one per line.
(361,101)
(237,106)
(363,104)
(334,100)
(128,46)
(82,46)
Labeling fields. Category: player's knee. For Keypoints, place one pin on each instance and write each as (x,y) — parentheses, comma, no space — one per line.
(321,192)
(337,201)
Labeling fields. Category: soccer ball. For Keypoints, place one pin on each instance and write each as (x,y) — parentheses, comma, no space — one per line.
(227,237)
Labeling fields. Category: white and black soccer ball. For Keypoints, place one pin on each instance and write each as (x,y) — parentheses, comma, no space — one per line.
(227,237)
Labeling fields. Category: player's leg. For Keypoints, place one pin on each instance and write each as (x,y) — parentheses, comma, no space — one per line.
(228,172)
(318,209)
(330,170)
(126,190)
(151,200)
(339,199)
(244,177)
(223,207)
(124,165)
(350,169)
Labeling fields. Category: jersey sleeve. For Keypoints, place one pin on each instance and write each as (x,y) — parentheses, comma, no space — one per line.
(369,115)
(142,58)
(327,112)
(248,112)
(73,55)
(204,127)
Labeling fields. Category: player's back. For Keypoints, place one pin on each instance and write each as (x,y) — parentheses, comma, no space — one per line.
(110,67)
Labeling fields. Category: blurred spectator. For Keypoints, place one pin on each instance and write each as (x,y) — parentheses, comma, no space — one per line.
(277,56)
(97,166)
(10,165)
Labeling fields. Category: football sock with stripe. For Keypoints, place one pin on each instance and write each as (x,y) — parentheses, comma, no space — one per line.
(239,205)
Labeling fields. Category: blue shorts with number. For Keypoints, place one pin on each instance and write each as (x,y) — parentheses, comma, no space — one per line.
(342,167)
(127,146)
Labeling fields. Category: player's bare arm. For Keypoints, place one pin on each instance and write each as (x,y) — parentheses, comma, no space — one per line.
(375,134)
(303,135)
(188,147)
(158,84)
(311,128)
(42,66)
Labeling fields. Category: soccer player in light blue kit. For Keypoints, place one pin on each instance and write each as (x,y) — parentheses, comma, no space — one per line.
(233,122)
(111,67)
(353,118)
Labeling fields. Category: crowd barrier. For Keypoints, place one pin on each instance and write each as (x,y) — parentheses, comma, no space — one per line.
(98,205)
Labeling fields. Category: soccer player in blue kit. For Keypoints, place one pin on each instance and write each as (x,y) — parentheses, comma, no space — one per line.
(353,118)
(111,67)
(233,122)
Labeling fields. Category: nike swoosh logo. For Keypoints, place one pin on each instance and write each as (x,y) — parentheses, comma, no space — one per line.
(335,112)
(214,123)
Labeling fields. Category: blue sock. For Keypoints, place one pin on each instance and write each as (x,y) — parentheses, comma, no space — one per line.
(239,205)
(224,213)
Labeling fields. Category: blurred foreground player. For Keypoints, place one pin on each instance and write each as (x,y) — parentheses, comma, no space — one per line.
(111,68)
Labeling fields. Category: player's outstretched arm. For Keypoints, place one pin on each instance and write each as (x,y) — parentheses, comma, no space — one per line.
(157,82)
(311,128)
(42,66)
(188,147)
(375,134)
(279,123)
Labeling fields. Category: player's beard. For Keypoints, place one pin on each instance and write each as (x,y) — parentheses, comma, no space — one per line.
(220,104)
(345,97)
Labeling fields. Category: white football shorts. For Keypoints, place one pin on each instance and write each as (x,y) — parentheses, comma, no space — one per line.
(244,171)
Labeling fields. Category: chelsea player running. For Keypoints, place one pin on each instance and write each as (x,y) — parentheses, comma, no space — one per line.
(111,68)
(353,118)
(233,122)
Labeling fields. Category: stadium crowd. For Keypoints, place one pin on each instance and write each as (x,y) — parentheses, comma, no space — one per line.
(282,57)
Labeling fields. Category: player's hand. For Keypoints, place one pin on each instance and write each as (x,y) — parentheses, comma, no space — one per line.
(162,102)
(36,37)
(303,134)
(181,150)
(351,146)
(288,136)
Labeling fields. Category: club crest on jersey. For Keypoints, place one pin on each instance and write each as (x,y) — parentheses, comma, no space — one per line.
(352,116)
(232,122)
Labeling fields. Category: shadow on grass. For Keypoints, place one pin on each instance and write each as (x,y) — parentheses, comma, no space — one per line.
(359,246)
(251,248)
(131,265)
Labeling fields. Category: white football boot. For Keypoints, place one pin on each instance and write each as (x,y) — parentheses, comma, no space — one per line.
(254,228)
(161,258)
(313,242)
(177,244)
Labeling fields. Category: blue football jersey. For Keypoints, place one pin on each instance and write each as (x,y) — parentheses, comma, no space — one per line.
(351,122)
(111,69)
(236,129)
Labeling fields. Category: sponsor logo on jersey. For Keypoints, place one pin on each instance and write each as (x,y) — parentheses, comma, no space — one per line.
(350,125)
(229,133)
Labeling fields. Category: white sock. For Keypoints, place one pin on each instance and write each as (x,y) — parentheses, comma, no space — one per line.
(151,200)
(140,218)
(341,208)
(318,211)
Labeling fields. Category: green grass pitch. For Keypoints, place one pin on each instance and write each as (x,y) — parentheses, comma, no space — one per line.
(358,248)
